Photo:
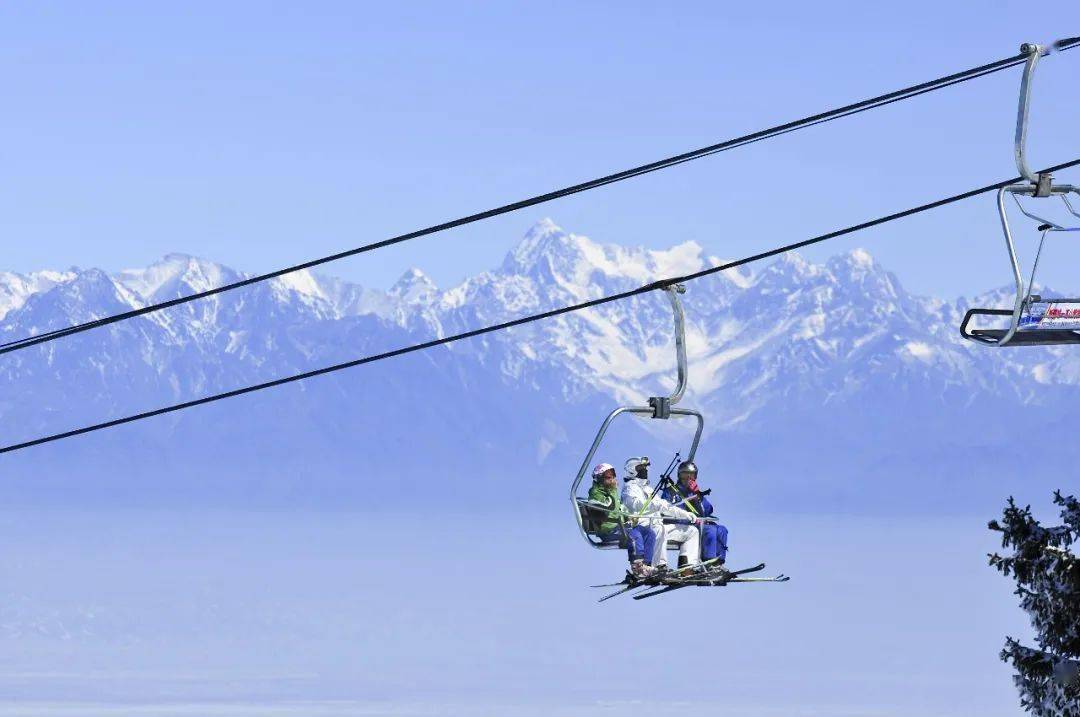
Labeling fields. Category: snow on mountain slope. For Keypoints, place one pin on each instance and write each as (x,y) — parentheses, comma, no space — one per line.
(16,288)
(782,345)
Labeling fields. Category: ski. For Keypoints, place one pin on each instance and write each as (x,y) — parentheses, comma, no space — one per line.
(627,579)
(756,568)
(701,575)
(626,589)
(718,581)
(661,591)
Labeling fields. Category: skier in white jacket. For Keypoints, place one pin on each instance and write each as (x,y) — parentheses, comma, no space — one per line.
(639,499)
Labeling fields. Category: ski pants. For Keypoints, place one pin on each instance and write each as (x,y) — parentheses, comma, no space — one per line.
(688,538)
(640,541)
(714,541)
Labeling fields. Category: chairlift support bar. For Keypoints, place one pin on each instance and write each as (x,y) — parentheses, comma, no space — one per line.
(662,404)
(1034,52)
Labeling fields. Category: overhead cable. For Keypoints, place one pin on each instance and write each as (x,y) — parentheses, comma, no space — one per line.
(828,116)
(525,319)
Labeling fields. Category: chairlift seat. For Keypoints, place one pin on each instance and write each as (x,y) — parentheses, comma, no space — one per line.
(592,515)
(1032,331)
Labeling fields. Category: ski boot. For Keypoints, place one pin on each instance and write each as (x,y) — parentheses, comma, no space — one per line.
(685,569)
(640,571)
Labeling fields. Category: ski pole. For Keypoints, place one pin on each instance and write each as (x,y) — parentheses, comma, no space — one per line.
(674,461)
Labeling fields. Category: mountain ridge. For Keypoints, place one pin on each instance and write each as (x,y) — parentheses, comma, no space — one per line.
(789,344)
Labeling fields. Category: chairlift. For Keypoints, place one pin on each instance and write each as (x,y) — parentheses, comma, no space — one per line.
(1034,320)
(589,515)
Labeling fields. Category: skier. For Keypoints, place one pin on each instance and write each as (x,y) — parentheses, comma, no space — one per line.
(642,500)
(639,536)
(686,493)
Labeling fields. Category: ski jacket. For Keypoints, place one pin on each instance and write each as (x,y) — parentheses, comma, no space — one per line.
(700,504)
(608,499)
(636,497)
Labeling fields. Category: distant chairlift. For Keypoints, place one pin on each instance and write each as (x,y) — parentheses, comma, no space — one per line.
(1033,320)
(590,515)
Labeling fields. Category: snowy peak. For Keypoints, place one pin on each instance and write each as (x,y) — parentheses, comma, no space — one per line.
(566,265)
(85,296)
(302,282)
(544,246)
(790,268)
(858,268)
(414,287)
(176,275)
(544,239)
(15,289)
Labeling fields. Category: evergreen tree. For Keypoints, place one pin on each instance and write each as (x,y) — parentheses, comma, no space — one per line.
(1047,576)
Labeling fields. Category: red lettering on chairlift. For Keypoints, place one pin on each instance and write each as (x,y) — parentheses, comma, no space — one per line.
(1053,312)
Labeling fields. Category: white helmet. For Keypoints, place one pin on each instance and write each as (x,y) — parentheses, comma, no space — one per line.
(634,467)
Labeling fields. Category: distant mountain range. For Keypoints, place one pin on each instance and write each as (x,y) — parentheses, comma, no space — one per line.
(823,384)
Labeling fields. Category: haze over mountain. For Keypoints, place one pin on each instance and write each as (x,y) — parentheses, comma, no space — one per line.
(823,384)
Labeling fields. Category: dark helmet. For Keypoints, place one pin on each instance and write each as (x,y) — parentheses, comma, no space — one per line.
(688,467)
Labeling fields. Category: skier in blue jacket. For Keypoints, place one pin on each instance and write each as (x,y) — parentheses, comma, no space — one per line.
(686,494)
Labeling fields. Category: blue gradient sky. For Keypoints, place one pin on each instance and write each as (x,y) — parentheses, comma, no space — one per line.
(260,134)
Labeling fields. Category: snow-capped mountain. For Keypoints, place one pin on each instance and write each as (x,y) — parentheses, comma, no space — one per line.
(804,370)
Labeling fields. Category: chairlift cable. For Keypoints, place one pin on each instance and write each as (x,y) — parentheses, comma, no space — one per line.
(522,320)
(828,116)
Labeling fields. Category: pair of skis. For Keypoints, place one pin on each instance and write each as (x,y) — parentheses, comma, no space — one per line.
(700,576)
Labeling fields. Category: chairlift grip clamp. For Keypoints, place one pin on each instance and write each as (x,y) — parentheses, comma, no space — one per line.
(661,406)
(1044,185)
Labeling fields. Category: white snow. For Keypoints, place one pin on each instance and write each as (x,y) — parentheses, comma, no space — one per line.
(920,350)
(302,282)
(196,274)
(861,258)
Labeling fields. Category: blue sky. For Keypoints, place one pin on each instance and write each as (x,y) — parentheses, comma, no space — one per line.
(260,134)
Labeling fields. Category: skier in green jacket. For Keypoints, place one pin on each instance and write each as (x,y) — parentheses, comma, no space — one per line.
(617,524)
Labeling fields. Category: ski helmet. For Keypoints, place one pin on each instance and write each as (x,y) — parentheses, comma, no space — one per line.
(637,468)
(600,469)
(688,467)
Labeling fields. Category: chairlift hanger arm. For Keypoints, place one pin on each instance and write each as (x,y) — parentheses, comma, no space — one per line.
(662,404)
(1041,181)
(1034,52)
